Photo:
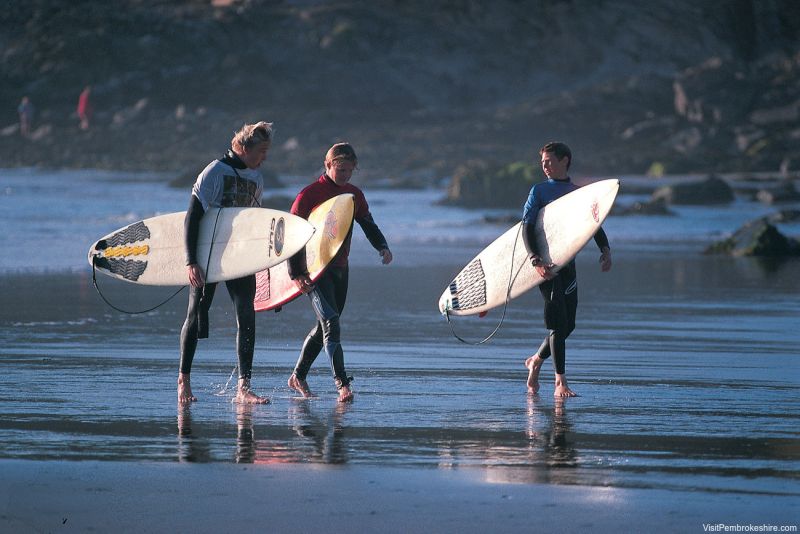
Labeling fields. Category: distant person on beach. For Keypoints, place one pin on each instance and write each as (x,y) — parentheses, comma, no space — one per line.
(85,107)
(560,290)
(25,112)
(329,293)
(231,181)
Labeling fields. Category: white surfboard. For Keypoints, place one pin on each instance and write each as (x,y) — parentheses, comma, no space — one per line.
(233,242)
(563,227)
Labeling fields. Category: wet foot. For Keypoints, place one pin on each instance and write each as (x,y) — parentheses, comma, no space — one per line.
(185,390)
(244,395)
(345,394)
(300,386)
(562,390)
(534,365)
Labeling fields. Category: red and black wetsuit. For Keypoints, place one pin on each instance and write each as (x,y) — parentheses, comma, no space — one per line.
(330,291)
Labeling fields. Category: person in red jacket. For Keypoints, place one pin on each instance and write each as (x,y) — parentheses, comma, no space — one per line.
(329,293)
(85,107)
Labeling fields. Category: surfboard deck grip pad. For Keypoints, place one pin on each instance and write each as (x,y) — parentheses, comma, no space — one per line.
(469,287)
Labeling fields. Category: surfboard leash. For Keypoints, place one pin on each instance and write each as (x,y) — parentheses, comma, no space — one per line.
(511,278)
(117,308)
(172,296)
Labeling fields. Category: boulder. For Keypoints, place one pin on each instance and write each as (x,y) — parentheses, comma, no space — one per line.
(712,190)
(478,184)
(784,216)
(784,192)
(652,207)
(756,238)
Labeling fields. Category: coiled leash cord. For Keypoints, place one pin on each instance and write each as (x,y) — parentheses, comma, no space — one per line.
(512,276)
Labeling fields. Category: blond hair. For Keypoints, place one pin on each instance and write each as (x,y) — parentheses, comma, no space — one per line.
(251,135)
(341,151)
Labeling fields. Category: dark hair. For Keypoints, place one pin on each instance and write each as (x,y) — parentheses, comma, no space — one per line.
(559,149)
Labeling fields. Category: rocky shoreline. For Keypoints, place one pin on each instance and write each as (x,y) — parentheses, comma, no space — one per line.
(419,88)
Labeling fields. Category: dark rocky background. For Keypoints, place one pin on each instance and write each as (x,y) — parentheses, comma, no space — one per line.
(419,87)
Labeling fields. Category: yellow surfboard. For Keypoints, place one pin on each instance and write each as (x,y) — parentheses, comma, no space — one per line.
(332,221)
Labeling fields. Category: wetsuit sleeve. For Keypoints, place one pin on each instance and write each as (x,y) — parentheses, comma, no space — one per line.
(191,228)
(529,238)
(529,214)
(373,233)
(601,239)
(297,264)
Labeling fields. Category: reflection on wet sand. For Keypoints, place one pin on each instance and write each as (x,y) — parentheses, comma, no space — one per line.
(551,453)
(323,434)
(191,447)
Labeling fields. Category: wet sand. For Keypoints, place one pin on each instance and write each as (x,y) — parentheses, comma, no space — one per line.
(687,368)
(146,497)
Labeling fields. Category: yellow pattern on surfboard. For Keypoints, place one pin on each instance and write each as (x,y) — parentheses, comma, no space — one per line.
(127,250)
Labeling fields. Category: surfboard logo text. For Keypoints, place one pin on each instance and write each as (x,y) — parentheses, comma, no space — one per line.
(595,212)
(331,225)
(277,231)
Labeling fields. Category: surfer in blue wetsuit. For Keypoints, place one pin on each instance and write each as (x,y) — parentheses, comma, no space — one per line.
(328,294)
(231,181)
(560,290)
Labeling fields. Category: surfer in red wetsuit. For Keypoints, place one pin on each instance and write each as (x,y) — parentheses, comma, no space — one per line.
(560,290)
(231,181)
(329,293)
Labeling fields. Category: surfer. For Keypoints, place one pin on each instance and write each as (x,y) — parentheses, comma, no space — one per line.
(231,181)
(329,293)
(559,290)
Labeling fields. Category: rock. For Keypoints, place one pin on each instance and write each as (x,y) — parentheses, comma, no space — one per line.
(756,238)
(784,192)
(652,207)
(478,184)
(784,216)
(712,190)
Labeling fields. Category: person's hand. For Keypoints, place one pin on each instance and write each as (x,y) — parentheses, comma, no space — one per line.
(605,260)
(304,284)
(386,256)
(545,270)
(196,278)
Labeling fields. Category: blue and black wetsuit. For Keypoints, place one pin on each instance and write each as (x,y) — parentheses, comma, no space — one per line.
(560,293)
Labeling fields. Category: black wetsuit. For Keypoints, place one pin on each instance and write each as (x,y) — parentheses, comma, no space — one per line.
(560,293)
(224,183)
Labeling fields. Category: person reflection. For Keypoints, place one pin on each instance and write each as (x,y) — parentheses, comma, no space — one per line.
(245,435)
(191,448)
(548,433)
(559,450)
(324,434)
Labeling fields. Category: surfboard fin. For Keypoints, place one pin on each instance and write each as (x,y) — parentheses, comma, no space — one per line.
(483,314)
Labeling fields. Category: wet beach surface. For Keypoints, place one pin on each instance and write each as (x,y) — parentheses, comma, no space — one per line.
(689,384)
(687,368)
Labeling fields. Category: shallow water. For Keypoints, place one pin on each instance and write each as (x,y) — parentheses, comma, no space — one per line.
(687,366)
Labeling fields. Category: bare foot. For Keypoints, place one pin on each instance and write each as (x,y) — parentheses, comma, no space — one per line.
(345,394)
(244,395)
(534,365)
(300,386)
(185,389)
(562,390)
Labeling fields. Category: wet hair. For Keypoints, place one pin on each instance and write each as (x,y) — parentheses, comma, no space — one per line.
(559,149)
(341,151)
(251,135)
